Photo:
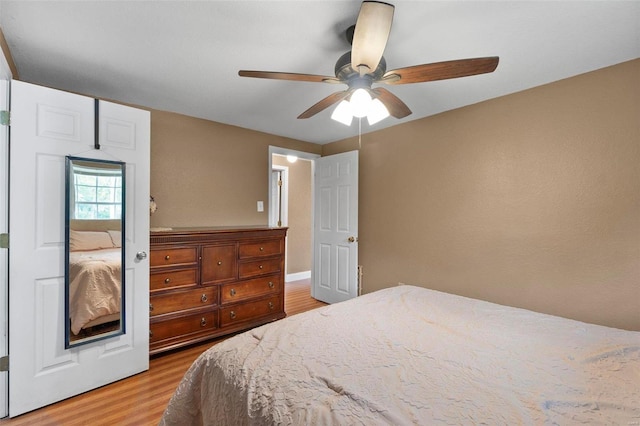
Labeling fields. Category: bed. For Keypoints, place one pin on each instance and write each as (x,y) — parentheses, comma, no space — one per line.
(409,355)
(95,277)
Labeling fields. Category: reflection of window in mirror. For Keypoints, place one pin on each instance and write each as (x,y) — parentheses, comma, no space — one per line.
(97,193)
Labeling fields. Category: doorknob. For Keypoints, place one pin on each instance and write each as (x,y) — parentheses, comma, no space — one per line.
(352,239)
(141,255)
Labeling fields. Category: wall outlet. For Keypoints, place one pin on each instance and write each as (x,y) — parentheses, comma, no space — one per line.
(260,206)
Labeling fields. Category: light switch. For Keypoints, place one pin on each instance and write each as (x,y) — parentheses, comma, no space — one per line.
(260,206)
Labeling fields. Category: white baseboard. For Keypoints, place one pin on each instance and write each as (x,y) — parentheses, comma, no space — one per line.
(297,276)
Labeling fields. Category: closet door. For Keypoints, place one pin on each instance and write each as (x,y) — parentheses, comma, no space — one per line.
(46,126)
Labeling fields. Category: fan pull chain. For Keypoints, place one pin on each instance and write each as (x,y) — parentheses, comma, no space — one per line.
(359,133)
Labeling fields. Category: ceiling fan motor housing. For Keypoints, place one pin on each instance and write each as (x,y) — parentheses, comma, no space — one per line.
(345,72)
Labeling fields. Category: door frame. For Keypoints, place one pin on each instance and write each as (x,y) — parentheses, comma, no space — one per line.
(5,79)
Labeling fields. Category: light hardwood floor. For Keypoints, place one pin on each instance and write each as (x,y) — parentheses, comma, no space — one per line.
(141,399)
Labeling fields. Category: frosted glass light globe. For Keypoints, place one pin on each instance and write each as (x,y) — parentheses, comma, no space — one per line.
(360,102)
(343,113)
(377,112)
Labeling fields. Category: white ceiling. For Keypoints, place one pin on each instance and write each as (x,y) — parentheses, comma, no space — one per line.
(184,56)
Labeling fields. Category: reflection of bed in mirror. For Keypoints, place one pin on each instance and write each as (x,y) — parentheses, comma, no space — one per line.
(95,275)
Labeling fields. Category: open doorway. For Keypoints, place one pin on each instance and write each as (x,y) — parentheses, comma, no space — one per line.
(331,251)
(291,205)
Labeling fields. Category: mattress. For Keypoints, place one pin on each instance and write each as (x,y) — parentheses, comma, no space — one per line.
(409,355)
(95,282)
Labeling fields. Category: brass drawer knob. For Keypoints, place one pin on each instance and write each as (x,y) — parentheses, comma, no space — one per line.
(271,305)
(204,298)
(261,248)
(150,307)
(270,284)
(219,262)
(232,292)
(203,322)
(232,314)
(167,257)
(260,267)
(167,280)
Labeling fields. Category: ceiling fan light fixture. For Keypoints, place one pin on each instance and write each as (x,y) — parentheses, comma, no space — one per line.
(365,65)
(360,102)
(377,112)
(360,105)
(343,113)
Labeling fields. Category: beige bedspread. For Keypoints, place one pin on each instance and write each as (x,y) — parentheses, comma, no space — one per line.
(94,285)
(407,355)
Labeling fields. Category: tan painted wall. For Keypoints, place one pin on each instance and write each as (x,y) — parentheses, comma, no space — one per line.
(530,200)
(205,173)
(299,214)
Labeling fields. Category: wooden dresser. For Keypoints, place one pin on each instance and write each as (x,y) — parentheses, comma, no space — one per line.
(207,282)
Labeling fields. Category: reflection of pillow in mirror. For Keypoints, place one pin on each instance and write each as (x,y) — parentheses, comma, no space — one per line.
(116,237)
(89,240)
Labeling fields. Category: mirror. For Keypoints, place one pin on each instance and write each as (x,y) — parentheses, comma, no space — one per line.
(94,250)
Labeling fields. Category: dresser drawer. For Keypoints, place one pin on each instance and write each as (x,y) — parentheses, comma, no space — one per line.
(190,324)
(260,248)
(243,290)
(218,263)
(180,300)
(250,310)
(259,267)
(173,279)
(174,256)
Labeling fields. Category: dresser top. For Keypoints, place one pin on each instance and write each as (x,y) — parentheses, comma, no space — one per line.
(211,229)
(181,234)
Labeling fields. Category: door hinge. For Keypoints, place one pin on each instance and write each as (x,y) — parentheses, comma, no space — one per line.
(4,241)
(5,118)
(4,363)
(279,182)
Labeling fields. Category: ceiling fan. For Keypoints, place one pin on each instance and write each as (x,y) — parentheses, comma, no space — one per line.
(364,65)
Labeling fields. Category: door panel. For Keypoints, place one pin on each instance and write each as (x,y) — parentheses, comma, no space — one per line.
(46,126)
(335,269)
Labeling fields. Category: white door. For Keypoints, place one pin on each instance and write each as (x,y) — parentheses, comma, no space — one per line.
(335,251)
(47,125)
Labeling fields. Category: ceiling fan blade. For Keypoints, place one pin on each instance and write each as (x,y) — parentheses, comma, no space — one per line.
(371,34)
(325,103)
(394,105)
(440,70)
(289,76)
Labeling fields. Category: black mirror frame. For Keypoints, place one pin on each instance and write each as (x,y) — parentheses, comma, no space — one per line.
(68,185)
